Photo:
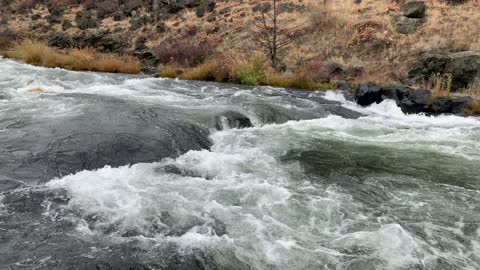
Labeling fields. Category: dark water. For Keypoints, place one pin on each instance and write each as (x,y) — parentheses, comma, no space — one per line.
(119,172)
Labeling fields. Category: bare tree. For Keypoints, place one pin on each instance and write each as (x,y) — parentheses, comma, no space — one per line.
(272,34)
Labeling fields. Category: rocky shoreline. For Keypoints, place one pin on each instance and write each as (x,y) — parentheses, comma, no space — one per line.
(413,101)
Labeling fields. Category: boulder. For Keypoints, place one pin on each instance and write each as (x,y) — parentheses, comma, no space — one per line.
(369,93)
(414,9)
(232,119)
(412,101)
(463,66)
(405,25)
(460,105)
(146,57)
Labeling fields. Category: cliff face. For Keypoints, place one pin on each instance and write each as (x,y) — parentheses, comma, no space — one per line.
(377,40)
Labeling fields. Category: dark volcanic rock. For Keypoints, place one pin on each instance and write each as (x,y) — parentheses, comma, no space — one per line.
(412,101)
(102,41)
(232,119)
(405,25)
(463,66)
(414,9)
(369,93)
(420,101)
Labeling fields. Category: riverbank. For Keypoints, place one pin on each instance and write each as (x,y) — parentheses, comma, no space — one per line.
(429,44)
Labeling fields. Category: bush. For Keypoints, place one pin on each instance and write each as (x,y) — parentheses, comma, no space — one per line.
(106,8)
(442,84)
(37,53)
(187,52)
(212,70)
(80,59)
(7,38)
(251,72)
(117,64)
(27,4)
(168,71)
(298,81)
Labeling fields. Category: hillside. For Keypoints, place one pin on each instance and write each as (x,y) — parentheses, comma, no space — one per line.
(347,41)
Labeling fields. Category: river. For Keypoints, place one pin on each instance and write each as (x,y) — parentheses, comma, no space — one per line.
(104,171)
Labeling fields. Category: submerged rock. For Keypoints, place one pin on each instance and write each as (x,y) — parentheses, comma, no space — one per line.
(232,119)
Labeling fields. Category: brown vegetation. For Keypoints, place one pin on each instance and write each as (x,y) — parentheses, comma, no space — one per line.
(39,53)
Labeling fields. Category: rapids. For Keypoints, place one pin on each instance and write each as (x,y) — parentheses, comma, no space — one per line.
(102,171)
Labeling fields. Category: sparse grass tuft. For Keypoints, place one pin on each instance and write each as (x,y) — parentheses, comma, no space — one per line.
(442,84)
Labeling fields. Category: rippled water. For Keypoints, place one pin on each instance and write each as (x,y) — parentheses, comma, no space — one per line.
(121,172)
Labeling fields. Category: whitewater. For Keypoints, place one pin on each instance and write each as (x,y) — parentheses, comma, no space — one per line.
(105,171)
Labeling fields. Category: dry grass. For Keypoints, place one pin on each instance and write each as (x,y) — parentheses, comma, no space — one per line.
(116,64)
(294,80)
(169,71)
(342,29)
(39,53)
(212,70)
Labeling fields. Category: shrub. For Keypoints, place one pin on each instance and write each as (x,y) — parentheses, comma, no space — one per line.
(212,70)
(442,84)
(250,72)
(7,38)
(168,71)
(37,53)
(186,52)
(80,59)
(27,4)
(106,8)
(294,80)
(117,64)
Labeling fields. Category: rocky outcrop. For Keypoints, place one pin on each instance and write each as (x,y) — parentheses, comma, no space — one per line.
(414,9)
(413,17)
(232,119)
(405,25)
(464,67)
(412,101)
(102,41)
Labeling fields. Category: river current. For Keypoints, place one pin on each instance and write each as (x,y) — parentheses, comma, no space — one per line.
(102,171)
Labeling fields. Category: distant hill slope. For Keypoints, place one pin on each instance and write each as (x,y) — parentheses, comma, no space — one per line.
(373,40)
